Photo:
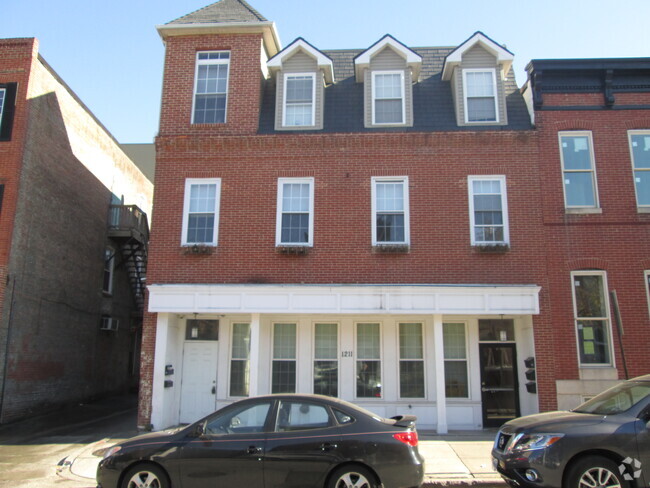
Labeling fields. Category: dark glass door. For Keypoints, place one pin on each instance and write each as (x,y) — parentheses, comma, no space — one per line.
(499,387)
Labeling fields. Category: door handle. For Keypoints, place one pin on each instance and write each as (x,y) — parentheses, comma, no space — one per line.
(326,446)
(214,390)
(254,450)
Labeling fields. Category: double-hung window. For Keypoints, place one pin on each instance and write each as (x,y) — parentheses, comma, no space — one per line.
(591,311)
(480,89)
(299,96)
(326,365)
(201,211)
(295,212)
(239,362)
(455,354)
(211,87)
(283,369)
(368,361)
(488,210)
(390,210)
(578,170)
(411,361)
(640,152)
(387,97)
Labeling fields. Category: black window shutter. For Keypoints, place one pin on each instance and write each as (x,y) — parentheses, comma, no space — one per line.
(7,122)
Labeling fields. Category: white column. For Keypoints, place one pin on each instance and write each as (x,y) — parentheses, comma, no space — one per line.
(441,398)
(254,360)
(158,386)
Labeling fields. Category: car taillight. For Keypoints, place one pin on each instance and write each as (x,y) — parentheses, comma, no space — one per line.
(410,438)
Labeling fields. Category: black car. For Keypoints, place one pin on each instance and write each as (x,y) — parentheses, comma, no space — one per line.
(273,441)
(604,443)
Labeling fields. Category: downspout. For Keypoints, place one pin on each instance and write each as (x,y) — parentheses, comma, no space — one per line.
(7,344)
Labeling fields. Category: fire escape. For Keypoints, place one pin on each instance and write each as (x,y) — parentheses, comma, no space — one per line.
(128,227)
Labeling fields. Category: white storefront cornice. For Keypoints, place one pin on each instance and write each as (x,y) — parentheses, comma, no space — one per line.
(344,299)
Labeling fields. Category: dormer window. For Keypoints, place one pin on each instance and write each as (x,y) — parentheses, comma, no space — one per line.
(388,70)
(388,97)
(476,71)
(211,87)
(301,72)
(480,95)
(299,96)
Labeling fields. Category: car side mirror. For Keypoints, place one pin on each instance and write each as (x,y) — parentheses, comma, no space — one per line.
(198,430)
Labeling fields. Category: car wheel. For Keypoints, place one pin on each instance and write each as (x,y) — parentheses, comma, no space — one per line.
(352,477)
(145,476)
(595,472)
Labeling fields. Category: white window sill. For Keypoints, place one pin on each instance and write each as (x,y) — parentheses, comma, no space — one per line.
(586,211)
(643,210)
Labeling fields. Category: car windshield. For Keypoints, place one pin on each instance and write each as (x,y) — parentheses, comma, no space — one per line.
(617,399)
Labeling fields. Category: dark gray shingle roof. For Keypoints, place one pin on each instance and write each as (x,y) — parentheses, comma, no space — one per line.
(433,105)
(222,11)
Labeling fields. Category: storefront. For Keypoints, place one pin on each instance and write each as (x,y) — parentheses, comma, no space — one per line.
(452,355)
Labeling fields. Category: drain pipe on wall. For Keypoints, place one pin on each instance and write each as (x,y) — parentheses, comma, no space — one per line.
(619,329)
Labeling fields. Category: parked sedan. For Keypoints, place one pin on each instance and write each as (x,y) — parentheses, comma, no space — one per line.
(273,441)
(604,443)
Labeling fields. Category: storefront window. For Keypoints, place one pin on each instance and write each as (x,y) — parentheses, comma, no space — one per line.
(368,361)
(411,365)
(455,351)
(284,359)
(326,365)
(239,364)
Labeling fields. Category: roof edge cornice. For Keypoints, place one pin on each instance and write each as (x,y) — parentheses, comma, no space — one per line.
(266,28)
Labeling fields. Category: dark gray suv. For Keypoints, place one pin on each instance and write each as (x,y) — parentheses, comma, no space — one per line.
(604,443)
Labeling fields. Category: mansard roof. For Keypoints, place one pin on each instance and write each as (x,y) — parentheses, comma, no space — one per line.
(222,11)
(433,104)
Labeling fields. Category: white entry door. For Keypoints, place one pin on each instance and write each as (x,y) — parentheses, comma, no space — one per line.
(199,380)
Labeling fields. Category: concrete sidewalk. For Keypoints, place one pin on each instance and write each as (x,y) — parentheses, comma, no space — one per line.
(461,458)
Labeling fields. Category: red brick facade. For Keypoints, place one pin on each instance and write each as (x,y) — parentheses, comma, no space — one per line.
(546,242)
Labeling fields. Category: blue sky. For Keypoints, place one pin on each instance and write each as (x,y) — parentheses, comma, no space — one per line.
(110,54)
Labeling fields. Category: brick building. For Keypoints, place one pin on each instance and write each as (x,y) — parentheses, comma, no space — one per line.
(72,235)
(371,224)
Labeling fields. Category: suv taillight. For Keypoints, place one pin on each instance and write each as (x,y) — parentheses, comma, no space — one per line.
(410,438)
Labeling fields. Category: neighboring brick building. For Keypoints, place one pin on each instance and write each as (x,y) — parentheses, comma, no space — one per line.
(370,224)
(70,236)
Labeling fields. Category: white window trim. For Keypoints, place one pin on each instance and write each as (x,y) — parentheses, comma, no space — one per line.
(294,359)
(313,99)
(231,358)
(607,319)
(380,359)
(186,208)
(374,96)
(423,360)
(202,62)
(373,193)
(492,71)
(278,216)
(594,177)
(338,352)
(504,209)
(467,357)
(630,133)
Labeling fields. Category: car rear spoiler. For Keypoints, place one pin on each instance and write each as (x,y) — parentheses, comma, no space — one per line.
(407,421)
